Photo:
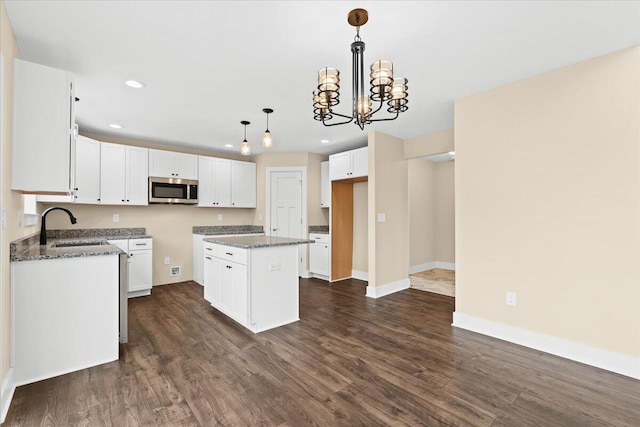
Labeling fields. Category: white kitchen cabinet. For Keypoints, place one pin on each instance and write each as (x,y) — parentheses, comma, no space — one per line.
(243,184)
(325,185)
(171,164)
(123,174)
(319,256)
(140,264)
(200,252)
(349,164)
(214,182)
(87,182)
(43,122)
(250,288)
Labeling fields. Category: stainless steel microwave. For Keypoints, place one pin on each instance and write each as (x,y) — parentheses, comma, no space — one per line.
(173,190)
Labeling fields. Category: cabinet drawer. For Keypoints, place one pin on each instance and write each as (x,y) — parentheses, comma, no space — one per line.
(140,244)
(319,238)
(230,253)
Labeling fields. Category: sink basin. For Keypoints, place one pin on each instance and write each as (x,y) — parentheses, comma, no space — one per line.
(75,244)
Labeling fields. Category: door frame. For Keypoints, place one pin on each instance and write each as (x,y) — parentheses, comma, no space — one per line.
(303,271)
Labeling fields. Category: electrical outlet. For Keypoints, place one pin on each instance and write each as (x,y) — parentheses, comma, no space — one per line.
(116,218)
(274,266)
(382,217)
(174,271)
(219,217)
(510,298)
(259,217)
(19,218)
(4,218)
(167,261)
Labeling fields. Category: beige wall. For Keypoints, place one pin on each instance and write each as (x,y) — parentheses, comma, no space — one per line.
(388,194)
(360,227)
(547,203)
(11,201)
(445,212)
(422,219)
(426,145)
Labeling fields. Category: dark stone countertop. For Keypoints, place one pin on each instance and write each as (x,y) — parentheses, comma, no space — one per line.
(212,230)
(319,229)
(255,242)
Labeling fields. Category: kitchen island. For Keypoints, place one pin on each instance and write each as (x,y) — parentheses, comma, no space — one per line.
(253,279)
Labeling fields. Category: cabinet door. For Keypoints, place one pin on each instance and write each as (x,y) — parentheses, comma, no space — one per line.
(243,184)
(87,171)
(240,283)
(360,162)
(325,185)
(161,163)
(112,174)
(211,280)
(140,270)
(340,166)
(137,175)
(222,183)
(225,279)
(186,165)
(206,180)
(319,258)
(42,128)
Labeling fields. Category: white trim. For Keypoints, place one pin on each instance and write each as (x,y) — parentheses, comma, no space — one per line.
(389,288)
(8,388)
(360,275)
(431,265)
(422,267)
(614,362)
(302,250)
(446,265)
(304,274)
(3,394)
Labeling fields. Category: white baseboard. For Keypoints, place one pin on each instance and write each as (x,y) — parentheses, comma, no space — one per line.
(431,265)
(6,393)
(614,362)
(389,288)
(305,274)
(360,275)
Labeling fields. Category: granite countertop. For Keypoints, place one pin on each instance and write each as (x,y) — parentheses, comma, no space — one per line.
(29,249)
(319,229)
(254,242)
(212,230)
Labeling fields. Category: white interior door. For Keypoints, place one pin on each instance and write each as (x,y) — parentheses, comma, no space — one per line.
(286,204)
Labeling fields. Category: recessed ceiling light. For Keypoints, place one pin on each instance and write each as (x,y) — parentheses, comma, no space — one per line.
(134,84)
(115,126)
(228,145)
(324,141)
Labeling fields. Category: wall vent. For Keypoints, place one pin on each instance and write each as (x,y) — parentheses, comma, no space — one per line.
(175,271)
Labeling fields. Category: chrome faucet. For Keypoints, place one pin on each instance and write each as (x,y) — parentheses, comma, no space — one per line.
(43,221)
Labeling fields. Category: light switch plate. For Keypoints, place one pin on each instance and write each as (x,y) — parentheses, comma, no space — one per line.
(219,217)
(167,260)
(382,217)
(4,218)
(116,218)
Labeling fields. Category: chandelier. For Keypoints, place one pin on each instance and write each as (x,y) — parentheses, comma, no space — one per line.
(383,86)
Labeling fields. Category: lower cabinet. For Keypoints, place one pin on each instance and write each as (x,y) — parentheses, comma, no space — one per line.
(226,284)
(319,256)
(140,264)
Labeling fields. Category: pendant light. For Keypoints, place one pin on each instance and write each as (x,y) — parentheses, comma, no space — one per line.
(245,150)
(267,139)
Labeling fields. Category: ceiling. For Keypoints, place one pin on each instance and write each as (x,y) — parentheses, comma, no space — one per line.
(207,65)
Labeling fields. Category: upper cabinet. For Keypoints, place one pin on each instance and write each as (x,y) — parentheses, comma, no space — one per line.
(226,183)
(243,184)
(170,164)
(123,175)
(87,160)
(43,121)
(325,185)
(349,164)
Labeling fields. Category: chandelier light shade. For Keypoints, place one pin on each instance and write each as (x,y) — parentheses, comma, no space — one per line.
(267,139)
(245,150)
(365,103)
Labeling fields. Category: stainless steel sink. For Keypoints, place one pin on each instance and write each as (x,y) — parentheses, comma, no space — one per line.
(74,244)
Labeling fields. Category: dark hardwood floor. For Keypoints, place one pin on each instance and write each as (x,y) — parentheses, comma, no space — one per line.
(349,361)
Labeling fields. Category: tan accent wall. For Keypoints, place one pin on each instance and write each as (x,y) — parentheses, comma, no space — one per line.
(422,219)
(431,143)
(360,227)
(547,203)
(445,212)
(388,194)
(11,200)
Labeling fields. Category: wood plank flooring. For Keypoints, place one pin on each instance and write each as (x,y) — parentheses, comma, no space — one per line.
(350,361)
